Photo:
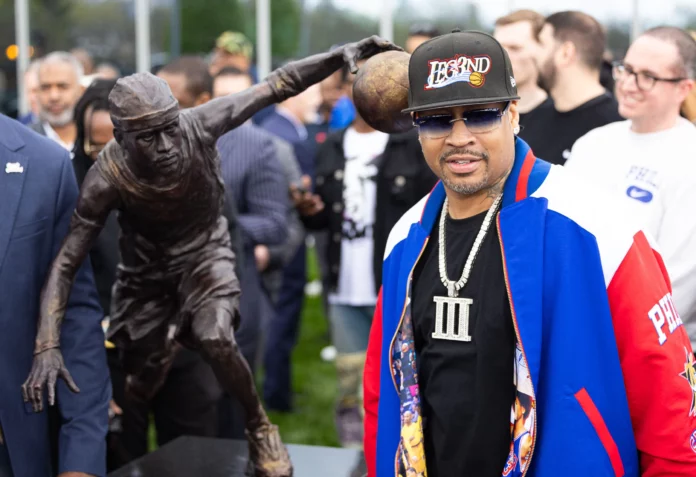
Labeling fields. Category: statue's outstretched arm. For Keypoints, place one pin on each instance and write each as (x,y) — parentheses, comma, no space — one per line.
(223,114)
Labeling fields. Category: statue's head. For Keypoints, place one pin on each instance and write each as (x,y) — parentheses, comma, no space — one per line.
(146,123)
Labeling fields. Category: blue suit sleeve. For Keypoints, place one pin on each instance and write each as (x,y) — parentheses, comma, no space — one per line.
(84,415)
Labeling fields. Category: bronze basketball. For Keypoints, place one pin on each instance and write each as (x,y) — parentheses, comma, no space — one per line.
(380,92)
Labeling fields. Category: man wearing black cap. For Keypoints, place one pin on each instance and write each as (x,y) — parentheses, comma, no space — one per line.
(176,282)
(525,325)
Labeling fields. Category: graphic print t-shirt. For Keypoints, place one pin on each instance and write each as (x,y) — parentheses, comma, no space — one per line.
(356,284)
(466,387)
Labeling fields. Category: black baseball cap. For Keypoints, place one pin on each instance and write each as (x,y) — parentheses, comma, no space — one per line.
(459,69)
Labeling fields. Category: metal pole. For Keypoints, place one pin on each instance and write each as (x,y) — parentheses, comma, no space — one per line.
(635,23)
(175,29)
(22,42)
(143,59)
(263,38)
(386,20)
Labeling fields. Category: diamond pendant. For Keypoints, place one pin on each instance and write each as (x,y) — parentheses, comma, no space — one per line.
(456,325)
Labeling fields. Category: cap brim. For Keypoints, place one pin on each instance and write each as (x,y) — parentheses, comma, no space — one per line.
(459,102)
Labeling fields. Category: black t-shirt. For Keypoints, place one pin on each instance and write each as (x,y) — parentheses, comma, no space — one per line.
(466,387)
(551,134)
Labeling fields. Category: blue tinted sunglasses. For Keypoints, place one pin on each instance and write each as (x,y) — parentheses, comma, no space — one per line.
(477,121)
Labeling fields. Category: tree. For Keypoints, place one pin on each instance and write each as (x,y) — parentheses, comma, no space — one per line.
(330,25)
(106,30)
(618,38)
(202,21)
(285,28)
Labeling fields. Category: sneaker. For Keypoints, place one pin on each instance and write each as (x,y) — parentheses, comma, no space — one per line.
(349,426)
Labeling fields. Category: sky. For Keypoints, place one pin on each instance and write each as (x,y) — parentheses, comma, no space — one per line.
(651,12)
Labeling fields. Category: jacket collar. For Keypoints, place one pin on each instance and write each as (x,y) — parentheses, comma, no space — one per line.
(527,174)
(10,138)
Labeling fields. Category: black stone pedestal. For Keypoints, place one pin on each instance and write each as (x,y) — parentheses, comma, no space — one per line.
(204,457)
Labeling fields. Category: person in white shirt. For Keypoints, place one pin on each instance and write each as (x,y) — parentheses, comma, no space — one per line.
(60,77)
(352,303)
(649,160)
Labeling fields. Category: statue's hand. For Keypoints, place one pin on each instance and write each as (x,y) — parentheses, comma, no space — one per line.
(353,52)
(47,366)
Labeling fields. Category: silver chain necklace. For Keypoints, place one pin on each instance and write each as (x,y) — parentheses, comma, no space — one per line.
(452,286)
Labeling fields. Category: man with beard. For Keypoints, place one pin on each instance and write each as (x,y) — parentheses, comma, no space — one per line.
(60,74)
(176,283)
(518,32)
(569,61)
(648,160)
(538,310)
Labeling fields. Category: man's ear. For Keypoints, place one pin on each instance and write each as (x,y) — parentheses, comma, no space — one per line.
(514,115)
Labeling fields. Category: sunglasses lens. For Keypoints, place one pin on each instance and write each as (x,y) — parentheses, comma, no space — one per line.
(434,126)
(482,121)
(477,121)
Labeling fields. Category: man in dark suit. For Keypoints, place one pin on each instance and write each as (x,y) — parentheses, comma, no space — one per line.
(288,122)
(38,193)
(253,174)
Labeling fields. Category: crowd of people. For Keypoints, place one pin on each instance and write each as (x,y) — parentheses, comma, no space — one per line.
(312,166)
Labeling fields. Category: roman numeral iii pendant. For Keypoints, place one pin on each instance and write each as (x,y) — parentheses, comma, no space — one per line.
(457,326)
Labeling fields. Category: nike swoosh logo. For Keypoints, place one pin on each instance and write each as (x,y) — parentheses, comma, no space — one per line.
(639,194)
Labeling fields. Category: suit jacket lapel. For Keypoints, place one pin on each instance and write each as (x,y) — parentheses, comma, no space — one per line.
(11,185)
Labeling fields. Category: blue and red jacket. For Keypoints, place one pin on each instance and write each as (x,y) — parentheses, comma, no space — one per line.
(604,366)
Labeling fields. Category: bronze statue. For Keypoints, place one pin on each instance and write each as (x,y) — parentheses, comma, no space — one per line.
(176,282)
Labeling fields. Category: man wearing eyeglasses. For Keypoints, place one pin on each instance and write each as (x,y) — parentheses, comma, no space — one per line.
(525,324)
(649,159)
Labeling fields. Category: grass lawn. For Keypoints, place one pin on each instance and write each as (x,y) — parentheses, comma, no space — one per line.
(314,381)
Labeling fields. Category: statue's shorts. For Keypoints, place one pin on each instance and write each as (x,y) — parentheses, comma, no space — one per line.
(171,295)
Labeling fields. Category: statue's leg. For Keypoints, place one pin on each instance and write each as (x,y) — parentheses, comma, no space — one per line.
(143,328)
(209,303)
(212,333)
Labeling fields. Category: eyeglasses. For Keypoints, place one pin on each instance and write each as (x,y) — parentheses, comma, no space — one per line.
(477,121)
(644,81)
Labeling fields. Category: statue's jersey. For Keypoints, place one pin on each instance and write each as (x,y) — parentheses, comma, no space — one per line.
(177,262)
(173,215)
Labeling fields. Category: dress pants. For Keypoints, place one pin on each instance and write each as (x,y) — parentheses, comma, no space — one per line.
(186,405)
(282,335)
(5,468)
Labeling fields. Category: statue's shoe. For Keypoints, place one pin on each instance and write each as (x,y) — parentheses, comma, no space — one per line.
(268,456)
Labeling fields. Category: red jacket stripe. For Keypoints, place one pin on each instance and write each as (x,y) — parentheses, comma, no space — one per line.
(371,378)
(603,433)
